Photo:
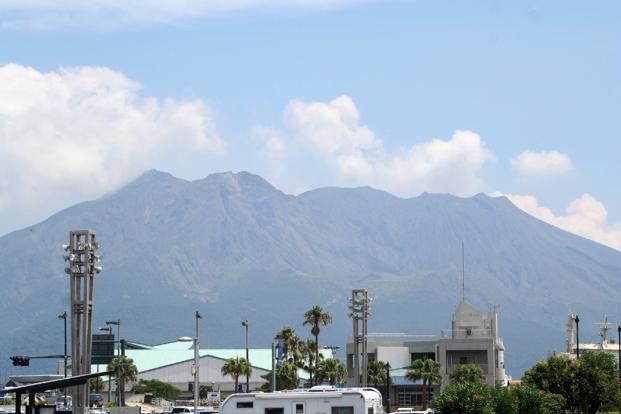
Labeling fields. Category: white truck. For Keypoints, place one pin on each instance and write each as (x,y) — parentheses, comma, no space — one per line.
(317,400)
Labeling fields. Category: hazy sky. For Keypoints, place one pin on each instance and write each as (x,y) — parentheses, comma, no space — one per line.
(520,98)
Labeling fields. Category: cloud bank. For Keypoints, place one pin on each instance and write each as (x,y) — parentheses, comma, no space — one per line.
(77,133)
(585,216)
(542,163)
(334,133)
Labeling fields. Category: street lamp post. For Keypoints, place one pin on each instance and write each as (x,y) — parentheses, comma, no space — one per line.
(577,337)
(245,325)
(387,366)
(195,366)
(619,356)
(109,330)
(117,323)
(63,316)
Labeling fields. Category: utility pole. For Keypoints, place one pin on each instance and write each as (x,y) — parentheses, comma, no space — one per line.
(83,264)
(245,324)
(63,316)
(197,316)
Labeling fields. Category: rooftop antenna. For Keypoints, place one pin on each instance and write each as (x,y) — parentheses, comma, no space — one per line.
(463,274)
(603,330)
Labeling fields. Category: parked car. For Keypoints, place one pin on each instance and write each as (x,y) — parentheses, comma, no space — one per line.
(95,400)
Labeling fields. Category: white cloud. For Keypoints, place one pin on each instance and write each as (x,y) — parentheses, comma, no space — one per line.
(585,216)
(77,133)
(274,144)
(333,131)
(542,163)
(41,14)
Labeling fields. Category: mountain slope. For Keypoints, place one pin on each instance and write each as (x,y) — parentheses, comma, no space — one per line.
(235,247)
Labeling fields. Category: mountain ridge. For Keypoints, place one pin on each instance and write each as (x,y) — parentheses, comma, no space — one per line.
(233,245)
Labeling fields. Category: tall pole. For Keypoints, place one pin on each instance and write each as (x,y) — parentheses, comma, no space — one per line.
(245,324)
(273,366)
(63,316)
(119,397)
(197,316)
(577,337)
(619,360)
(82,266)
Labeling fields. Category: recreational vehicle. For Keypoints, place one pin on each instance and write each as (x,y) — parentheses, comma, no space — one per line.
(317,400)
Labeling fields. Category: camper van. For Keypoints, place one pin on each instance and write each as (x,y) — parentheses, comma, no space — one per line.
(317,400)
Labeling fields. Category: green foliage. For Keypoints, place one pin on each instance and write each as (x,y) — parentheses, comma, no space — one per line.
(331,370)
(465,398)
(467,373)
(159,389)
(587,384)
(316,317)
(96,384)
(470,397)
(308,351)
(504,401)
(427,370)
(286,378)
(236,367)
(203,391)
(291,341)
(124,370)
(376,373)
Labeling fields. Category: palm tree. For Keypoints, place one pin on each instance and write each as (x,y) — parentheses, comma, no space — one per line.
(291,342)
(236,367)
(306,357)
(429,371)
(467,373)
(331,369)
(376,373)
(315,317)
(124,371)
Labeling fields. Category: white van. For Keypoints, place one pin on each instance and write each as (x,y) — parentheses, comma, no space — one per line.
(317,400)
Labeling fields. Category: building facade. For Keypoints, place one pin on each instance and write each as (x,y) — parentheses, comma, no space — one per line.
(472,339)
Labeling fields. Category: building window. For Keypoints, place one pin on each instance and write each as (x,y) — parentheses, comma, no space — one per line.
(463,360)
(245,404)
(299,408)
(409,398)
(276,410)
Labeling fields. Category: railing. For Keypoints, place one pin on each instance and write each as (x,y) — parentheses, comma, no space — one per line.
(466,333)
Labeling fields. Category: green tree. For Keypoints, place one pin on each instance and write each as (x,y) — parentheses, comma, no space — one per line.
(96,384)
(316,317)
(291,341)
(331,370)
(203,391)
(467,373)
(376,373)
(159,389)
(427,370)
(236,367)
(587,384)
(504,401)
(596,381)
(306,358)
(465,398)
(124,371)
(556,375)
(286,378)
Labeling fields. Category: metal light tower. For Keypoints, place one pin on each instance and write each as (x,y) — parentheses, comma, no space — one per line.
(245,325)
(83,264)
(359,312)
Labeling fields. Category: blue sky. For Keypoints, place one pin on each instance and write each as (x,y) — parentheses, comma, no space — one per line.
(311,94)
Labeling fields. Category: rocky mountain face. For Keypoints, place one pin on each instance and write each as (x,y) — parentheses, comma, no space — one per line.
(237,248)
